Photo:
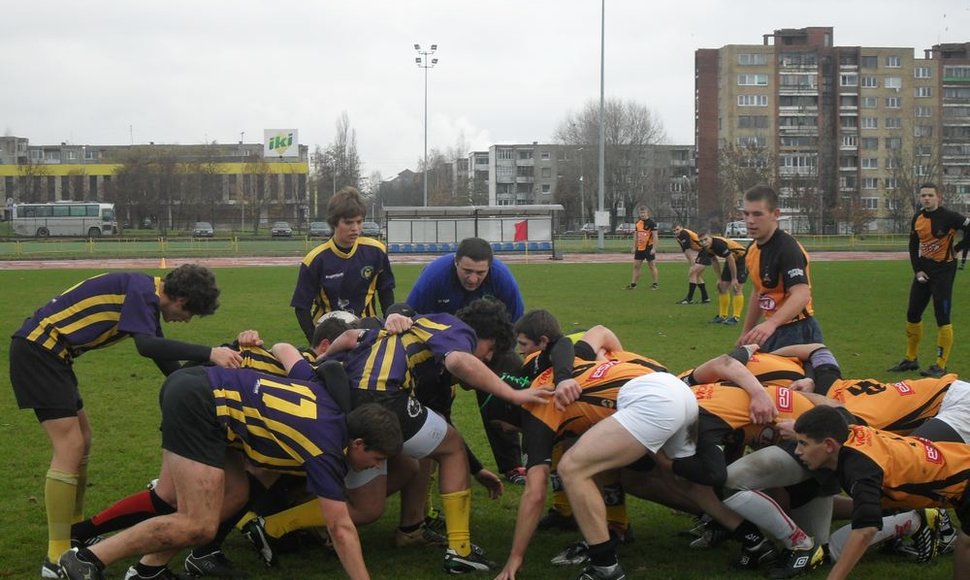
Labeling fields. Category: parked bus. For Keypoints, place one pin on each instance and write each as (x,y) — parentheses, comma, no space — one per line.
(64,218)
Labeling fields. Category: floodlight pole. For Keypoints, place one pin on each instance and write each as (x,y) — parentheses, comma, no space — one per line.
(602,178)
(423,62)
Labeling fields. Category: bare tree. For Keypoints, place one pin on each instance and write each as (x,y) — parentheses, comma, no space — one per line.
(31,175)
(255,174)
(631,130)
(740,168)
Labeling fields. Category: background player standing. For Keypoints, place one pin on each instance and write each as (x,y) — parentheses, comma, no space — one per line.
(731,276)
(645,248)
(698,260)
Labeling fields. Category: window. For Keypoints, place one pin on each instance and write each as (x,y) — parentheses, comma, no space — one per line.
(890,183)
(847,122)
(753,80)
(923,72)
(546,188)
(90,155)
(892,163)
(870,102)
(546,172)
(849,80)
(525,154)
(870,183)
(524,171)
(870,82)
(870,163)
(923,150)
(752,100)
(870,122)
(870,62)
(956,72)
(870,202)
(544,156)
(923,111)
(53,156)
(848,162)
(870,143)
(36,154)
(894,143)
(850,141)
(503,153)
(892,82)
(851,101)
(502,172)
(798,141)
(753,121)
(752,59)
(894,102)
(923,91)
(894,122)
(752,142)
(893,61)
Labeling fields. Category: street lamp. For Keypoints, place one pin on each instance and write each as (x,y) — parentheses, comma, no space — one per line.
(424,62)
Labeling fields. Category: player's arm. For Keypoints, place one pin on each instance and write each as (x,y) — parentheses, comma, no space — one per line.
(531,505)
(731,367)
(347,340)
(798,298)
(800,351)
(346,542)
(751,316)
(473,372)
(165,351)
(307,287)
(732,267)
(287,354)
(855,546)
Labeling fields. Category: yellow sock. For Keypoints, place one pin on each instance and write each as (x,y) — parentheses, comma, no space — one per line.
(82,484)
(944,342)
(723,301)
(458,507)
(914,332)
(245,519)
(60,490)
(305,515)
(738,305)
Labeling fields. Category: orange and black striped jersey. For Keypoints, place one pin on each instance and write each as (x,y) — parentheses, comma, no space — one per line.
(769,369)
(774,267)
(898,407)
(689,240)
(931,236)
(722,247)
(543,424)
(645,234)
(881,470)
(730,404)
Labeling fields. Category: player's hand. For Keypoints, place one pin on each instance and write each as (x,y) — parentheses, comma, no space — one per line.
(225,357)
(736,286)
(786,429)
(511,567)
(921,277)
(566,392)
(762,409)
(491,482)
(805,385)
(759,334)
(397,323)
(249,338)
(535,396)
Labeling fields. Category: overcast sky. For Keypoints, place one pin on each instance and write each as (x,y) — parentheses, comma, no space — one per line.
(509,70)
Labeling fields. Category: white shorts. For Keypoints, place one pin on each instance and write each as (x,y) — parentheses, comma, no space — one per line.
(355,479)
(428,437)
(955,408)
(660,411)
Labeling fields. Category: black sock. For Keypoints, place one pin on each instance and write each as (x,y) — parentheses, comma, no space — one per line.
(87,556)
(147,571)
(690,293)
(703,288)
(604,554)
(748,534)
(409,529)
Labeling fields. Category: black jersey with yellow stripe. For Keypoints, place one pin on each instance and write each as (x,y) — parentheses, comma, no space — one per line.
(931,237)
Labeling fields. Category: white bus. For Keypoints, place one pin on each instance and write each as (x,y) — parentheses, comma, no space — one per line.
(64,218)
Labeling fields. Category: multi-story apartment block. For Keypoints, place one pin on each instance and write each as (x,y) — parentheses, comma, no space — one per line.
(846,133)
(183,183)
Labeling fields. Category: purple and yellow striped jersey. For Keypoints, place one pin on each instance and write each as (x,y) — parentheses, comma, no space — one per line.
(284,425)
(96,313)
(331,279)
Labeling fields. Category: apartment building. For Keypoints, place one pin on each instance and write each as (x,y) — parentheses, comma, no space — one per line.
(846,133)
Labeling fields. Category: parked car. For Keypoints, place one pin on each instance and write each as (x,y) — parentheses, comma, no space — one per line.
(626,228)
(371,230)
(588,228)
(202,230)
(281,230)
(736,230)
(319,230)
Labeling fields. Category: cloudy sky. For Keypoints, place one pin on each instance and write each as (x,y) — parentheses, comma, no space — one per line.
(106,72)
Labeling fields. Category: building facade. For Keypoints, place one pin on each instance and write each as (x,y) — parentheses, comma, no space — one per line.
(232,186)
(845,133)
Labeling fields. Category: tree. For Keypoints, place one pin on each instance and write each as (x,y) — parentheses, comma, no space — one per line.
(740,168)
(334,167)
(31,174)
(255,172)
(631,130)
(910,164)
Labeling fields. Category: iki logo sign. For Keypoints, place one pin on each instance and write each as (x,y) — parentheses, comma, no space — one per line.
(281,143)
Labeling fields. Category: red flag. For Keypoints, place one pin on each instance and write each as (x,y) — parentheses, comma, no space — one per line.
(521,231)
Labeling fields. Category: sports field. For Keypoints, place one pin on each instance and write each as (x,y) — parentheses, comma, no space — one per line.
(860,305)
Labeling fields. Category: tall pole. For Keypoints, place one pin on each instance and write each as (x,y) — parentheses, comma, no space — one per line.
(602,177)
(424,62)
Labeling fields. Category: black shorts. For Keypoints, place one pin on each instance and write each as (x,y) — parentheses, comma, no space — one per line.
(410,412)
(647,254)
(703,258)
(190,427)
(742,272)
(41,380)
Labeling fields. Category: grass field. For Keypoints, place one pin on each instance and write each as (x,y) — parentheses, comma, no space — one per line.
(860,305)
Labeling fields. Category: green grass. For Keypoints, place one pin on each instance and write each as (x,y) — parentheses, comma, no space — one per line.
(860,305)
